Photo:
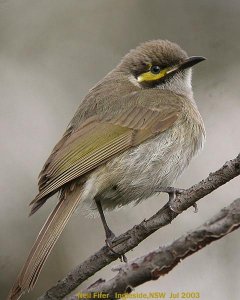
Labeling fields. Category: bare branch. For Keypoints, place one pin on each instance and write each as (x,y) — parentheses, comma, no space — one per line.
(159,262)
(140,232)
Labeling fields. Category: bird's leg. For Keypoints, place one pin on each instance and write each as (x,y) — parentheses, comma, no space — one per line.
(110,236)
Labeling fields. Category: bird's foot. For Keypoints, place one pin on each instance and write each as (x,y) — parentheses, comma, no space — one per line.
(172,193)
(111,241)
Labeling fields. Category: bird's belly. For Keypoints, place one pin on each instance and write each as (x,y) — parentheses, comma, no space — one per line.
(137,173)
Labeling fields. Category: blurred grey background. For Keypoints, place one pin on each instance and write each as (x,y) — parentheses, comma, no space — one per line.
(51,53)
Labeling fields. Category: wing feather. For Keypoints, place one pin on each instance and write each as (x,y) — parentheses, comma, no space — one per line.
(98,140)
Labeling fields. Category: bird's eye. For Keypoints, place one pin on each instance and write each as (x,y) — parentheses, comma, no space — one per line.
(155,69)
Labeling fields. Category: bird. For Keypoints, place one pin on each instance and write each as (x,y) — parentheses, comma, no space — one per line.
(133,135)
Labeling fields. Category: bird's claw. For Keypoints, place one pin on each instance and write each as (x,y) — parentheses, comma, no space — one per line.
(111,241)
(173,192)
(195,208)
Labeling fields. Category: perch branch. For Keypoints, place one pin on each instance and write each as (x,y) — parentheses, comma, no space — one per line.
(159,262)
(140,232)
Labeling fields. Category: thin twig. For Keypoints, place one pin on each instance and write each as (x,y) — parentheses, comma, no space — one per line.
(140,232)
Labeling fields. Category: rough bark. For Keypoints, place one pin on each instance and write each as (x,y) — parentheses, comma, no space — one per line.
(162,260)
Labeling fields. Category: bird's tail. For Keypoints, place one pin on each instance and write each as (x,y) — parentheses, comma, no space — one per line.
(44,244)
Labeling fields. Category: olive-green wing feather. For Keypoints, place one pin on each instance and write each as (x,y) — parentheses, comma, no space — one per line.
(98,140)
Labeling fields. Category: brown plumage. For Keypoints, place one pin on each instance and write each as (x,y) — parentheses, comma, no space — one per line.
(123,132)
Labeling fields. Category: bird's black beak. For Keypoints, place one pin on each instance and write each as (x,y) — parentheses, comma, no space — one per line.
(191,61)
(187,63)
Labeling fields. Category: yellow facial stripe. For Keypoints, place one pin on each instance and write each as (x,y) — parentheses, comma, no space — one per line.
(149,76)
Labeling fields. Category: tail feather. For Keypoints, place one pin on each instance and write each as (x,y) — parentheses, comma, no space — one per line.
(44,243)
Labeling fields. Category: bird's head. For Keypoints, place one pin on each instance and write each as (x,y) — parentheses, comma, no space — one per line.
(160,64)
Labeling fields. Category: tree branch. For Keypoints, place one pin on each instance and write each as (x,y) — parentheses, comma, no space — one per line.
(159,262)
(140,232)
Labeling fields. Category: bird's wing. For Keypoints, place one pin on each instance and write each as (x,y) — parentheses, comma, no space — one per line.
(96,141)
